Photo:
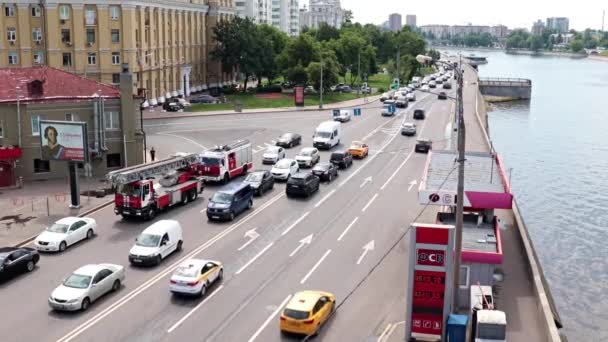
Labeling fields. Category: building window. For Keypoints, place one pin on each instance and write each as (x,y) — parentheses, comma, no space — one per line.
(114,12)
(9,10)
(65,36)
(115,58)
(13,58)
(111,120)
(64,12)
(91,36)
(67,59)
(36,123)
(71,117)
(38,58)
(115,78)
(113,160)
(37,34)
(464,277)
(35,11)
(11,34)
(1,129)
(41,166)
(115,36)
(92,58)
(89,16)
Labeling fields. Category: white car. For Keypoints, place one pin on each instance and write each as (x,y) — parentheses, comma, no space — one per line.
(343,115)
(408,128)
(64,233)
(85,285)
(411,96)
(284,169)
(308,157)
(194,276)
(184,103)
(273,154)
(425,87)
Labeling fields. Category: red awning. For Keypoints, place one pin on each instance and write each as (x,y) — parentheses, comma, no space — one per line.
(10,152)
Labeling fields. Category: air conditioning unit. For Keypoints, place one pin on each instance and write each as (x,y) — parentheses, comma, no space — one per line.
(68,43)
(62,21)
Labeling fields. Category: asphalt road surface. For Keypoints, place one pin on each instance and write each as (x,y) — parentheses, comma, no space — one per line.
(370,204)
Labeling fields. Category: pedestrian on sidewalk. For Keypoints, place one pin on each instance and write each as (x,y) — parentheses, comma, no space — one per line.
(152,154)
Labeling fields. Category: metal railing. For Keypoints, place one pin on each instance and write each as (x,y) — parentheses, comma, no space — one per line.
(500,81)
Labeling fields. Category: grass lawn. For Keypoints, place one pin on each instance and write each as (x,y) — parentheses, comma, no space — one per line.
(379,81)
(250,101)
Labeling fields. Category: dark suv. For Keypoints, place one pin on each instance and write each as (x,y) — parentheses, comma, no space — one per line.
(302,183)
(419,114)
(423,146)
(342,159)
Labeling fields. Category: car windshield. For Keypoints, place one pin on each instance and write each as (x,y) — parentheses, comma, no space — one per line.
(254,177)
(306,153)
(77,281)
(185,271)
(221,197)
(337,156)
(210,161)
(356,144)
(322,166)
(324,134)
(272,149)
(58,228)
(295,314)
(129,190)
(283,164)
(148,240)
(408,125)
(285,136)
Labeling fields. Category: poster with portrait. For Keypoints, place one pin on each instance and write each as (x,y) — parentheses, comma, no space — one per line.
(63,140)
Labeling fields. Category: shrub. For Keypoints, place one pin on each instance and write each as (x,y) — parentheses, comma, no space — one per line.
(381,90)
(273,88)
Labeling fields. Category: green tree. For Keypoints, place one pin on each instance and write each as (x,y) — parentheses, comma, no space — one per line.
(535,43)
(330,71)
(576,46)
(273,42)
(296,74)
(327,32)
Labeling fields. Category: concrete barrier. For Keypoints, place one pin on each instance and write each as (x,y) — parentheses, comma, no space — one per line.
(512,88)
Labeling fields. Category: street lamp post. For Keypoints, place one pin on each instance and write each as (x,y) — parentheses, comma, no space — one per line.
(460,187)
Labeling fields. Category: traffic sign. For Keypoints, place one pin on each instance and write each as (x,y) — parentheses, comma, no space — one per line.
(357,112)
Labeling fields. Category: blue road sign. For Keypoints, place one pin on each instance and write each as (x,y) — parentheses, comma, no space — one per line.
(357,112)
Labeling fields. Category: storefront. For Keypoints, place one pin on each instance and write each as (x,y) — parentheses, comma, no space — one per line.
(8,161)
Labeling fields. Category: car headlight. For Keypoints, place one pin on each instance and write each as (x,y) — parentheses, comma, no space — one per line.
(71,301)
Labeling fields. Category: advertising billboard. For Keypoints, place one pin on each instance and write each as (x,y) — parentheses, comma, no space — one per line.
(299,96)
(63,140)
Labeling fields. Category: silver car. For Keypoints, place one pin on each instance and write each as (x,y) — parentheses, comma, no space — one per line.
(408,128)
(85,285)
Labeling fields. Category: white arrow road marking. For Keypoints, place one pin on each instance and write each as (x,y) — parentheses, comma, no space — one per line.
(368,247)
(174,326)
(315,266)
(369,203)
(252,235)
(412,184)
(295,223)
(365,181)
(347,228)
(274,313)
(254,258)
(305,241)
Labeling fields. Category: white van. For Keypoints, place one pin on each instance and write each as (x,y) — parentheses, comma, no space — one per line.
(327,135)
(343,115)
(156,243)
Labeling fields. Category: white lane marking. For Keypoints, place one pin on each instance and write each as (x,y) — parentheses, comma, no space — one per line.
(174,326)
(141,288)
(274,313)
(412,184)
(369,203)
(304,241)
(347,228)
(252,235)
(382,337)
(254,258)
(295,223)
(365,181)
(261,147)
(324,198)
(368,247)
(315,267)
(396,171)
(267,144)
(180,137)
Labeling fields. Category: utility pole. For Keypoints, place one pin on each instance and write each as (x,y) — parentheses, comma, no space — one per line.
(399,64)
(359,72)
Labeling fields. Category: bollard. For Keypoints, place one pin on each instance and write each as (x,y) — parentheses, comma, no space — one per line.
(48,212)
(32,205)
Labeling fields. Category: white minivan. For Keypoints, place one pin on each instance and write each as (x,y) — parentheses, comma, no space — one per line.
(327,135)
(156,243)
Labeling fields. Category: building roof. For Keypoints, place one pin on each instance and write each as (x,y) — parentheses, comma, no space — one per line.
(46,84)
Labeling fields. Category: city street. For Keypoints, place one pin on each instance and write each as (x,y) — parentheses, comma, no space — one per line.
(353,224)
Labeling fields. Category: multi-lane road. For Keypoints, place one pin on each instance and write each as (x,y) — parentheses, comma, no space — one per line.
(345,239)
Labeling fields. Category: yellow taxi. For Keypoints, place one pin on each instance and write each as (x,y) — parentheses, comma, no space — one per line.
(358,149)
(306,312)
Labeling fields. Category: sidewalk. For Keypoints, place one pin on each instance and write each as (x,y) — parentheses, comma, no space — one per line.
(28,211)
(158,113)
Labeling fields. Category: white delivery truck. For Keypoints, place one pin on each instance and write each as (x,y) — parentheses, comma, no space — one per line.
(327,135)
(486,324)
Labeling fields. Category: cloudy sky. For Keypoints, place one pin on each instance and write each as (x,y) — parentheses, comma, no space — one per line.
(513,13)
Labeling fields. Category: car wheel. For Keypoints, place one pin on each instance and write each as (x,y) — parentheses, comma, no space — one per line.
(185,198)
(250,204)
(85,304)
(194,194)
(232,216)
(151,214)
(30,266)
(116,285)
(62,246)
(179,247)
(158,259)
(245,169)
(329,178)
(203,290)
(220,276)
(226,178)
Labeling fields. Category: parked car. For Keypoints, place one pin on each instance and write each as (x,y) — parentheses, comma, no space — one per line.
(344,89)
(442,96)
(342,159)
(204,99)
(194,276)
(366,90)
(302,183)
(172,106)
(284,169)
(326,171)
(184,103)
(64,233)
(229,201)
(87,284)
(308,157)
(419,114)
(408,128)
(306,312)
(16,260)
(273,154)
(289,140)
(423,145)
(260,181)
(309,90)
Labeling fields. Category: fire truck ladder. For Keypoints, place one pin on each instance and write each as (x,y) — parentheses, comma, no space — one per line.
(139,172)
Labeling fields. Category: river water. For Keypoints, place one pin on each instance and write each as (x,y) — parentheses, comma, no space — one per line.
(557,145)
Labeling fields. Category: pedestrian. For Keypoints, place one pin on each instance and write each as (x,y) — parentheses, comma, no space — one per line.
(152,153)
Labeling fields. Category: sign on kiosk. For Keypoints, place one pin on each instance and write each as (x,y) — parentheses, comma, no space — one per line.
(63,140)
(430,279)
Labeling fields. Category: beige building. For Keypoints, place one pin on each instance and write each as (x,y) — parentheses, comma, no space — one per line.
(166,44)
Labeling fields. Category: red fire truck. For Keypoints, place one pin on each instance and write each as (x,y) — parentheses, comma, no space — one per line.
(139,194)
(227,161)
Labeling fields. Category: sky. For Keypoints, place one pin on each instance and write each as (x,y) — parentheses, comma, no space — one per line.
(512,13)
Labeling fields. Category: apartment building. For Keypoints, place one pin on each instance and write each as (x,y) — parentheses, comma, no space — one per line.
(394,22)
(166,44)
(410,20)
(259,11)
(558,24)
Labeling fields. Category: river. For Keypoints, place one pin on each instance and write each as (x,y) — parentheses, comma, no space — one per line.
(557,145)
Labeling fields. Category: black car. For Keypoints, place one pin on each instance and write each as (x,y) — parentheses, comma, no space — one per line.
(326,171)
(419,114)
(442,95)
(172,106)
(14,260)
(260,181)
(289,140)
(423,145)
(204,99)
(302,183)
(342,159)
(447,85)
